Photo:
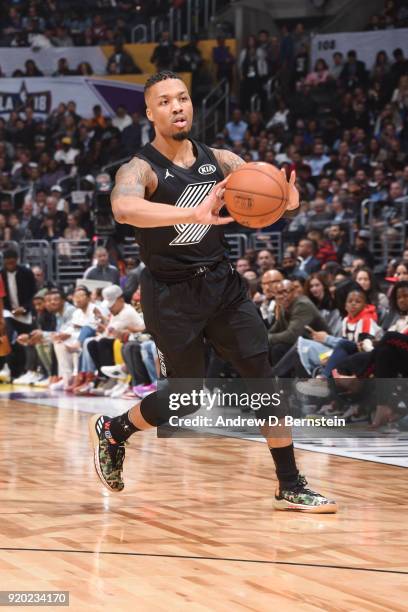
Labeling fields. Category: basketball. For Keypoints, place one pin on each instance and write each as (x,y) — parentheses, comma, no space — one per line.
(256,194)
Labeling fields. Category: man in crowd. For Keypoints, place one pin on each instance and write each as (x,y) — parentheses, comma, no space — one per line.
(103,270)
(294,314)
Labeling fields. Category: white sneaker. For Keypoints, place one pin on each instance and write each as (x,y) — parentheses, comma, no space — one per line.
(24,379)
(5,374)
(118,390)
(36,377)
(115,371)
(57,386)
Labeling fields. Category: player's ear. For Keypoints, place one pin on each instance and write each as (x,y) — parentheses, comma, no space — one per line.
(149,114)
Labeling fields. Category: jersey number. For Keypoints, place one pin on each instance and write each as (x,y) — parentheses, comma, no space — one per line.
(192,196)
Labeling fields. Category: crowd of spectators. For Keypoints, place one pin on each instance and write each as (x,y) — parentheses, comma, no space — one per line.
(394,15)
(62,23)
(342,127)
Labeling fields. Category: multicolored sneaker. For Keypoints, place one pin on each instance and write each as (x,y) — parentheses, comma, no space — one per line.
(300,499)
(108,456)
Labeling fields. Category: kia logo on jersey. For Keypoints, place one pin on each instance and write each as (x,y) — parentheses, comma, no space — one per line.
(207,169)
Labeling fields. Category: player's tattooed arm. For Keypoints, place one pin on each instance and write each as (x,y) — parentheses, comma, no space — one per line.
(131,180)
(136,181)
(227,160)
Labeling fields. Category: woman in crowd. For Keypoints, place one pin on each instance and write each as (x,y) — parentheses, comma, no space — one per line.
(317,290)
(364,277)
(401,271)
(319,75)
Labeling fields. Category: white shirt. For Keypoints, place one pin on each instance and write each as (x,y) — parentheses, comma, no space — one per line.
(122,122)
(125,319)
(68,157)
(12,289)
(87,317)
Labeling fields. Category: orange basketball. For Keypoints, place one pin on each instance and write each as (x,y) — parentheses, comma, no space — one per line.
(256,194)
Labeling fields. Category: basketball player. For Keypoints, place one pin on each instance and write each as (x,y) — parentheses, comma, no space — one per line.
(172,192)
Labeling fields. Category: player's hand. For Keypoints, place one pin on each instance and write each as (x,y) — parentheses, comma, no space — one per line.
(293,192)
(208,212)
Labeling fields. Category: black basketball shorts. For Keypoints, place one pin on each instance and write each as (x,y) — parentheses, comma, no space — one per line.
(213,305)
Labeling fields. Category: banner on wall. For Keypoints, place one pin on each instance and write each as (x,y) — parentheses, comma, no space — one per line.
(47,59)
(366,44)
(44,95)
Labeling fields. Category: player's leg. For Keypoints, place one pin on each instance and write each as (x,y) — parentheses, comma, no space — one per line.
(109,434)
(238,335)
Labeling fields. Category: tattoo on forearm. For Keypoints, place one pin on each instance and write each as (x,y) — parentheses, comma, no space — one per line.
(131,180)
(136,191)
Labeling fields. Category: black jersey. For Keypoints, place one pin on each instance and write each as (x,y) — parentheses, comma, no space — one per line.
(176,252)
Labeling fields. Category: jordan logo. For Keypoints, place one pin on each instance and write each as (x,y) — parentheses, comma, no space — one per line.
(168,174)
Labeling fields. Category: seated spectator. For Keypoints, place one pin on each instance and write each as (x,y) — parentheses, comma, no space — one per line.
(270,281)
(294,314)
(103,271)
(84,69)
(401,271)
(56,317)
(354,72)
(319,75)
(124,63)
(364,277)
(67,340)
(20,288)
(265,260)
(306,253)
(318,159)
(32,364)
(337,65)
(165,53)
(131,136)
(61,37)
(131,282)
(123,321)
(122,119)
(360,250)
(317,290)
(32,69)
(235,129)
(73,231)
(67,153)
(242,265)
(62,68)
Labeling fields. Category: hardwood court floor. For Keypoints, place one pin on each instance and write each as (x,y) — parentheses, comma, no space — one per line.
(194,529)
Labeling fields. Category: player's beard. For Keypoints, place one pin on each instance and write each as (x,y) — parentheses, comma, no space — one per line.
(181,136)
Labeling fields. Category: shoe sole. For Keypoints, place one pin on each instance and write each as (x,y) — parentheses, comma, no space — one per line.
(316,392)
(94,438)
(282,504)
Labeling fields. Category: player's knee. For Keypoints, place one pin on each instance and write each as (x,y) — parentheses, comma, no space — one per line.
(157,408)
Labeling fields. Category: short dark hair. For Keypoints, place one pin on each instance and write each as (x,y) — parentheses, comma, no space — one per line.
(163,75)
(10,254)
(82,288)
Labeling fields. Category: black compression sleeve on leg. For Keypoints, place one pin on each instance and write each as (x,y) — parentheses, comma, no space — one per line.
(121,427)
(285,464)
